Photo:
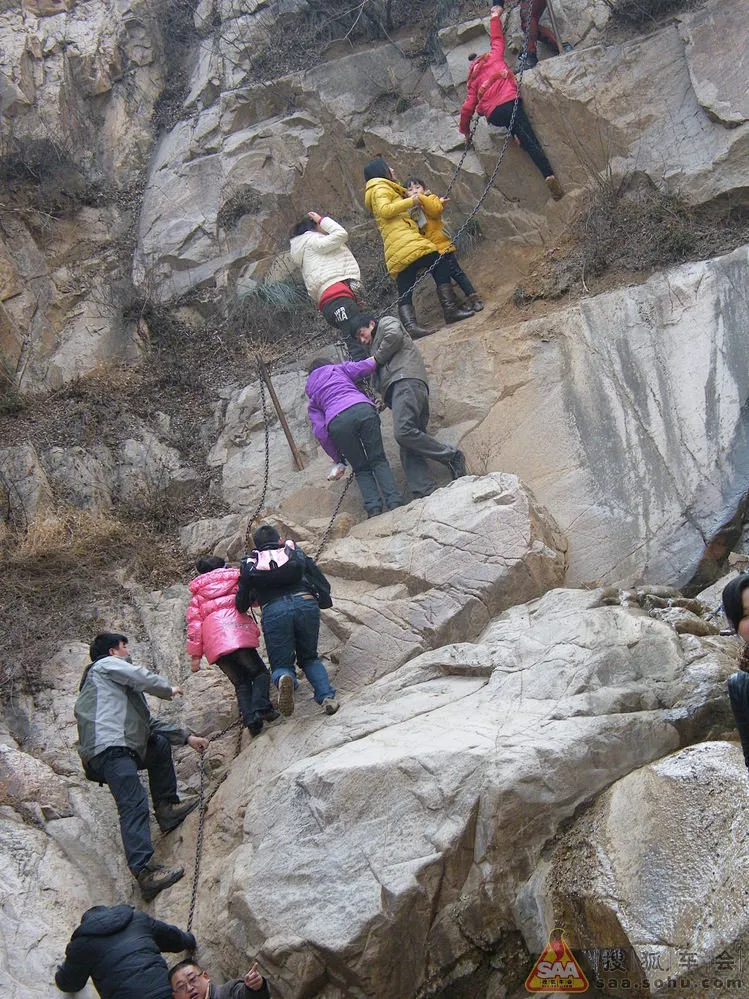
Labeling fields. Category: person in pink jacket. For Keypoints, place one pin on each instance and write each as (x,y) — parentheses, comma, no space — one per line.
(218,631)
(492,89)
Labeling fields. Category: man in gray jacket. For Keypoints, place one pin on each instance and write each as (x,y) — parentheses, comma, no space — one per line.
(401,379)
(117,737)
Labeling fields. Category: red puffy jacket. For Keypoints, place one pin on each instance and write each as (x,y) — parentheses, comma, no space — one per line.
(214,625)
(490,81)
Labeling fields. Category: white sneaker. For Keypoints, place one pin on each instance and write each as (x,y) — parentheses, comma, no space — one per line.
(330,705)
(336,472)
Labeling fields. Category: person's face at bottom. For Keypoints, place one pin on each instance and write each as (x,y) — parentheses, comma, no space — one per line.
(190,983)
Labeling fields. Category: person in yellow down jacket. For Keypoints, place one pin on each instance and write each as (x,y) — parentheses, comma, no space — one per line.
(428,217)
(407,251)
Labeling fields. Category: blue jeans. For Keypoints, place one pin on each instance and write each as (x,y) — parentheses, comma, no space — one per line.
(291,626)
(118,768)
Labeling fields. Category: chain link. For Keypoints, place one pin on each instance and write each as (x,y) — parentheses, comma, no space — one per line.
(329,528)
(203,804)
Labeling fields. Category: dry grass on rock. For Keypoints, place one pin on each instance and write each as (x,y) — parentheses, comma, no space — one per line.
(633,229)
(60,573)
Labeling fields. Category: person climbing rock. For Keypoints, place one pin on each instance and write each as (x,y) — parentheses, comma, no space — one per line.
(189,981)
(407,252)
(216,630)
(492,90)
(428,216)
(736,610)
(531,12)
(402,381)
(282,579)
(347,425)
(117,737)
(120,948)
(318,247)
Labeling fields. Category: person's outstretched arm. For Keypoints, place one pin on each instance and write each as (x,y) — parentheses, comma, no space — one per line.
(170,938)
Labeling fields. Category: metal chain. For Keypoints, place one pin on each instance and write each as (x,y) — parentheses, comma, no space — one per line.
(329,528)
(203,804)
(508,136)
(261,501)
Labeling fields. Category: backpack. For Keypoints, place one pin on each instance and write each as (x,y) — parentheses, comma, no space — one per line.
(274,567)
(317,582)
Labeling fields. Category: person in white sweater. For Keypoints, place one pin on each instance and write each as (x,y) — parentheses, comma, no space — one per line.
(318,247)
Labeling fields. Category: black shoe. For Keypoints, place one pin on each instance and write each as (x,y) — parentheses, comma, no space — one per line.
(457,465)
(269,716)
(530,60)
(255,728)
(155,878)
(169,814)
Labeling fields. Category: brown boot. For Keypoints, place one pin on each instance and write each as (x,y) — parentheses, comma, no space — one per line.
(155,878)
(407,315)
(555,187)
(475,302)
(169,814)
(452,312)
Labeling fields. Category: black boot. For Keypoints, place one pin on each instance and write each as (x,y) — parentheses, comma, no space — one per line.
(407,315)
(453,312)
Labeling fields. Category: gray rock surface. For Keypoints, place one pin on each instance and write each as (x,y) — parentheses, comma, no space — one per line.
(662,877)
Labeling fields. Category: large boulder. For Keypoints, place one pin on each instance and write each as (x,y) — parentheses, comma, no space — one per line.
(426,803)
(627,415)
(671,830)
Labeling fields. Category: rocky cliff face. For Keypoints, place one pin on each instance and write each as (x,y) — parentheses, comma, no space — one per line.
(510,754)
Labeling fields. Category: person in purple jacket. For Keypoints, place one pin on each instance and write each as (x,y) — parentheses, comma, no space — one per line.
(347,425)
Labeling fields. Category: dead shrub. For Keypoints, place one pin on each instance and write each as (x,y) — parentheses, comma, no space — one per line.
(245,201)
(645,13)
(636,227)
(61,570)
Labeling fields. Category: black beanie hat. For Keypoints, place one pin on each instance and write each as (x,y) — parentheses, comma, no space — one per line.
(377,168)
(732,605)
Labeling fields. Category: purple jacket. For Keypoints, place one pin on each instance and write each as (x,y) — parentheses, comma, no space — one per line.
(331,390)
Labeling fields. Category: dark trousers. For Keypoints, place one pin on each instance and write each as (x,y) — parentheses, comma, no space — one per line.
(409,401)
(738,695)
(291,626)
(339,312)
(357,434)
(501,116)
(531,12)
(251,681)
(458,275)
(118,767)
(405,280)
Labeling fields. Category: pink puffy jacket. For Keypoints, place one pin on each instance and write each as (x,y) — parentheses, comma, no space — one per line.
(214,625)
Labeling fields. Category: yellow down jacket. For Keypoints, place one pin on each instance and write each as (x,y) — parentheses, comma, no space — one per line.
(434,230)
(390,205)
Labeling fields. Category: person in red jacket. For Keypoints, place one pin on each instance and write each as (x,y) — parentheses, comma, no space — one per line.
(492,90)
(218,631)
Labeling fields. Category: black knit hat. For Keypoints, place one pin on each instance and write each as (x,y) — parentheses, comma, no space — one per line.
(732,604)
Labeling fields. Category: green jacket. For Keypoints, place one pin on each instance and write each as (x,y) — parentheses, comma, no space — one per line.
(111,709)
(397,356)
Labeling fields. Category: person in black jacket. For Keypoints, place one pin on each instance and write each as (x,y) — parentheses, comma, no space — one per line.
(277,576)
(120,949)
(189,981)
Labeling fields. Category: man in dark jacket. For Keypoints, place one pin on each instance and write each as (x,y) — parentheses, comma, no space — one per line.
(120,949)
(117,737)
(401,380)
(189,981)
(278,576)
